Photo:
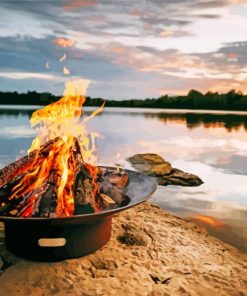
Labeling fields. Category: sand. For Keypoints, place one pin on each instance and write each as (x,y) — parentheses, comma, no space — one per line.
(150,253)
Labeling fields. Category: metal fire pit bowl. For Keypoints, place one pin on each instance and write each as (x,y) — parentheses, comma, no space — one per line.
(55,239)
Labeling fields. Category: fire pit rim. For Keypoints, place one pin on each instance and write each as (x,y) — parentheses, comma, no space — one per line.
(91,215)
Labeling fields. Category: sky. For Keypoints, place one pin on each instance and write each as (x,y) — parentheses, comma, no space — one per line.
(128,49)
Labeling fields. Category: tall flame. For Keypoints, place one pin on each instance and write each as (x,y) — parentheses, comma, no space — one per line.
(60,120)
(63,119)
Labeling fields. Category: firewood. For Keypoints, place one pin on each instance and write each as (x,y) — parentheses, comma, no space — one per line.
(88,189)
(112,183)
(84,195)
(115,177)
(43,201)
(9,206)
(114,193)
(23,164)
(106,202)
(118,179)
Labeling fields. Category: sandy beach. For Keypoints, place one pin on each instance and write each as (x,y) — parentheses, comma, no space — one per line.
(150,253)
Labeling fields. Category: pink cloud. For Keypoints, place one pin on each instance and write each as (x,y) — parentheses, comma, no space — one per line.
(76,4)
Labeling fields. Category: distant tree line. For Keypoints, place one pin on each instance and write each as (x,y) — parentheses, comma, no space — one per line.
(231,100)
(29,98)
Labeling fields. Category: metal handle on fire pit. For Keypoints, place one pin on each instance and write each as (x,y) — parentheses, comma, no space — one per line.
(52,242)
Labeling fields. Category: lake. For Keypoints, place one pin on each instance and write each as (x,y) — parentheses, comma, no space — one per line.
(212,145)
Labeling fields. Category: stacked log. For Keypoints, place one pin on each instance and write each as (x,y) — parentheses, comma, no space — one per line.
(90,193)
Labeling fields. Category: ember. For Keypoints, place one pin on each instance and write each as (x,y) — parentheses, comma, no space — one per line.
(55,179)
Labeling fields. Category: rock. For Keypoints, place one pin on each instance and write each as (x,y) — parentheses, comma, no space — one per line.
(154,165)
(175,258)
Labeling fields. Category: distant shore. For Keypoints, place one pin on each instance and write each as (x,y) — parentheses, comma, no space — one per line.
(134,109)
(194,100)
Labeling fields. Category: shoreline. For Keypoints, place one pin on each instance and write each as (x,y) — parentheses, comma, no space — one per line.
(135,109)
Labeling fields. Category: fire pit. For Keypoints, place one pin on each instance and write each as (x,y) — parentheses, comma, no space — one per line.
(53,239)
(55,201)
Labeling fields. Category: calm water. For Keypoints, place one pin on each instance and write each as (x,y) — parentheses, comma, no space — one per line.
(210,145)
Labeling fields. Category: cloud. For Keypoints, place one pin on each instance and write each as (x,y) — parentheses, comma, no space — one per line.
(64,42)
(26,75)
(209,16)
(166,33)
(212,4)
(77,4)
(137,50)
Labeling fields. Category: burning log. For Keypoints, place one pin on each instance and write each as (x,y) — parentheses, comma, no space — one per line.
(23,164)
(15,196)
(30,187)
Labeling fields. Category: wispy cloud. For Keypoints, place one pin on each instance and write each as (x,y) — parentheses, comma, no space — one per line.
(139,50)
(26,75)
(77,4)
(64,42)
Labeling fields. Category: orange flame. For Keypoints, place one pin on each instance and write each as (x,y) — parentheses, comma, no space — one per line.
(61,121)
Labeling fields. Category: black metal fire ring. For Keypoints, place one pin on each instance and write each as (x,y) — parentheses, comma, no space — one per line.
(54,239)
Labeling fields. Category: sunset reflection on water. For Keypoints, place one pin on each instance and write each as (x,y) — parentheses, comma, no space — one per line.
(212,146)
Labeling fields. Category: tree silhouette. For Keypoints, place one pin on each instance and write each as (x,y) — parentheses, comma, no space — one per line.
(231,100)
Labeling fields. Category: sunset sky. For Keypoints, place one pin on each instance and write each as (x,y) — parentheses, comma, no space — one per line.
(129,49)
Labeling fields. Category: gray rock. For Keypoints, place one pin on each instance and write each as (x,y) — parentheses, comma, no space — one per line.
(154,165)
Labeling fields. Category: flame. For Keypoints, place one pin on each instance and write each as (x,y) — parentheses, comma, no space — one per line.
(66,71)
(60,121)
(64,42)
(63,58)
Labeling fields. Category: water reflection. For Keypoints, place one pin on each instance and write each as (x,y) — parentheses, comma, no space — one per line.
(212,146)
(222,230)
(226,221)
(230,122)
(16,112)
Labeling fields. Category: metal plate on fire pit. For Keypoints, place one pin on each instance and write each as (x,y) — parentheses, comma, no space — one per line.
(140,187)
(52,242)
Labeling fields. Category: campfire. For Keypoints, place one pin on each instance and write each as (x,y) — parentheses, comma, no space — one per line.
(56,179)
(56,202)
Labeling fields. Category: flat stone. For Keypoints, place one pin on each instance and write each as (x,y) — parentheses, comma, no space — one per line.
(161,169)
(154,165)
(151,158)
